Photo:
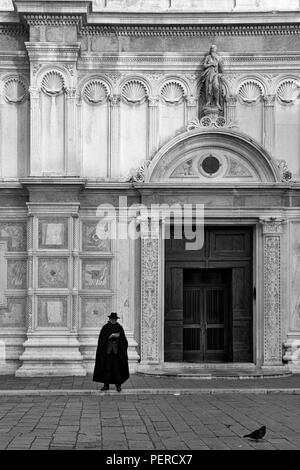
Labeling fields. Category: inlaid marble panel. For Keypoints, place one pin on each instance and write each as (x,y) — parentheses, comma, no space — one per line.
(16,274)
(96,274)
(14,233)
(94,311)
(14,315)
(52,312)
(53,233)
(53,273)
(91,241)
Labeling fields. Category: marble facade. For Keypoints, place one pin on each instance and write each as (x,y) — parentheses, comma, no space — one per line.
(101,103)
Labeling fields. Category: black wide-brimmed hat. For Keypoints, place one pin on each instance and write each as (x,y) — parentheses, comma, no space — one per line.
(113,316)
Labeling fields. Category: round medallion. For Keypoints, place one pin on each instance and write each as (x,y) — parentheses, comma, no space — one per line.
(210,165)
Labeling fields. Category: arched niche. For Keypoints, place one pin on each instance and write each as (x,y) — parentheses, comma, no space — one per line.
(212,156)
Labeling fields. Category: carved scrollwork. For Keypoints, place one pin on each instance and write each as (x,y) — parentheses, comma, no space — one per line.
(172,92)
(53,83)
(288,91)
(250,91)
(134,91)
(95,92)
(15,90)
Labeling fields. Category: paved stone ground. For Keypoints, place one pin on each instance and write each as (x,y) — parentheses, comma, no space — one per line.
(166,422)
(139,381)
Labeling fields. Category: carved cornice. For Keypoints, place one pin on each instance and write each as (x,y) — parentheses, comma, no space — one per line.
(14,30)
(53,20)
(193,30)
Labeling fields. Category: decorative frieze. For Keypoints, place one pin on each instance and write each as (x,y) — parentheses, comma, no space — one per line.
(197,30)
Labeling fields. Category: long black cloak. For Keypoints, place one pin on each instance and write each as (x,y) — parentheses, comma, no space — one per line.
(101,355)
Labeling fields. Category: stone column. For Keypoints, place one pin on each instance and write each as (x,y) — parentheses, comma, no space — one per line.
(35,132)
(269,122)
(113,167)
(153,125)
(272,229)
(150,292)
(231,102)
(72,154)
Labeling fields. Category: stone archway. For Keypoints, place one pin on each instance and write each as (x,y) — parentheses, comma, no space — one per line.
(241,159)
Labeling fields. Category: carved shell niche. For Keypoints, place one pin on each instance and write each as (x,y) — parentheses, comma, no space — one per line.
(172,92)
(15,90)
(53,83)
(134,91)
(95,92)
(288,91)
(250,91)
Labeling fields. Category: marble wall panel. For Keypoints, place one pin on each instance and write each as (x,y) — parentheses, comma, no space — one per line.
(91,241)
(295,276)
(96,274)
(16,274)
(52,312)
(53,234)
(53,273)
(14,315)
(15,235)
(94,311)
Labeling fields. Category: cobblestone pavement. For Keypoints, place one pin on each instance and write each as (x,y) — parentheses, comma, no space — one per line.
(168,422)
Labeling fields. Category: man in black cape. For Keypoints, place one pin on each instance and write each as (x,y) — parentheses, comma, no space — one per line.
(111,365)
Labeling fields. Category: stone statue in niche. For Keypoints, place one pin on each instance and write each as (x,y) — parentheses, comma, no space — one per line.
(211,82)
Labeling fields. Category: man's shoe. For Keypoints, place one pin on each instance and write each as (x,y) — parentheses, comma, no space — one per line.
(118,387)
(104,388)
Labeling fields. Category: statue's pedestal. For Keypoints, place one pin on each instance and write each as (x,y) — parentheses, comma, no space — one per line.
(211,111)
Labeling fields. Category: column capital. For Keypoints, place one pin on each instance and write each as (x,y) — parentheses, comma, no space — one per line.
(269,100)
(115,100)
(191,101)
(272,225)
(231,100)
(153,101)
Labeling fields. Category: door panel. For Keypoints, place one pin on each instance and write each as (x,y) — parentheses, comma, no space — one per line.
(193,335)
(174,315)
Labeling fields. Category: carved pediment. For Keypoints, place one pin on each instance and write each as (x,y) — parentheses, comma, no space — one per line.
(219,155)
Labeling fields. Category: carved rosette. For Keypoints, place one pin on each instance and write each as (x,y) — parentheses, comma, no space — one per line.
(150,293)
(272,229)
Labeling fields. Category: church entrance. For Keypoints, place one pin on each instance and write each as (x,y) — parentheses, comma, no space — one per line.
(208,298)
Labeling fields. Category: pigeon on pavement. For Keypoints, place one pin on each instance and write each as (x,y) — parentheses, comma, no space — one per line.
(258,434)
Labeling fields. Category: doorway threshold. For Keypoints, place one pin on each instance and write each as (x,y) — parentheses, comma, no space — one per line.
(214,370)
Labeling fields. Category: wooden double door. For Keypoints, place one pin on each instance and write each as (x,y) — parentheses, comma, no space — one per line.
(209,297)
(206,315)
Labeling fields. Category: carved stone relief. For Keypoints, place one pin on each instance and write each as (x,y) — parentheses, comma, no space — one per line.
(91,240)
(95,274)
(288,91)
(250,91)
(94,312)
(16,274)
(53,83)
(173,92)
(15,90)
(53,233)
(52,312)
(53,273)
(150,299)
(14,315)
(95,92)
(134,91)
(14,233)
